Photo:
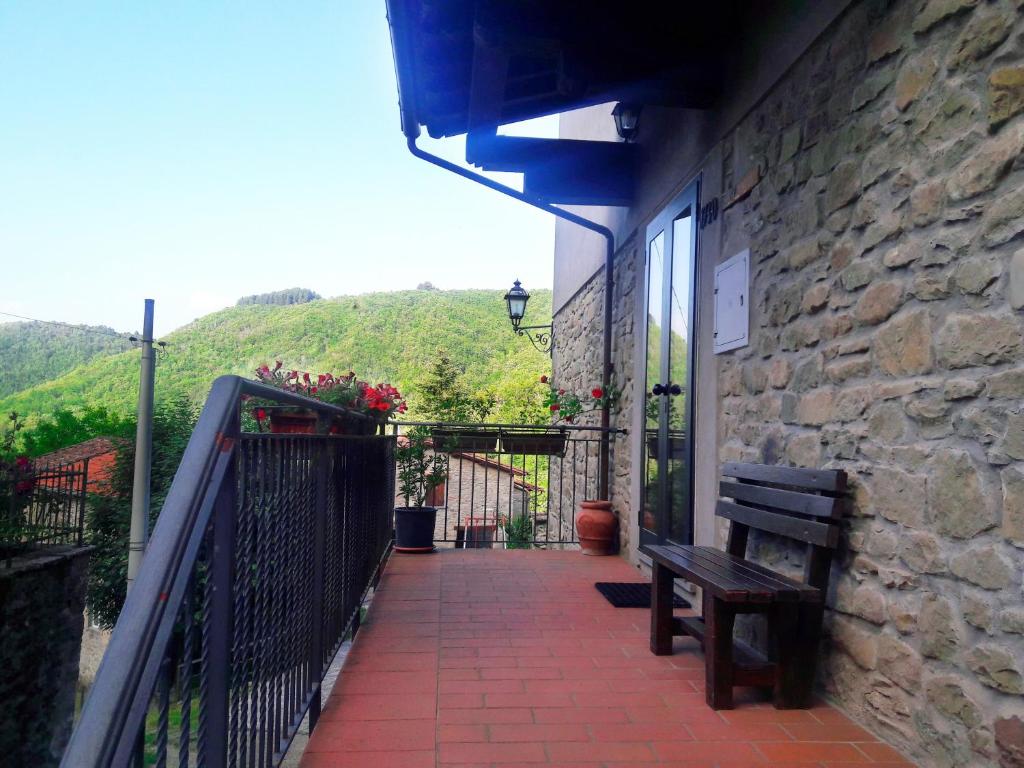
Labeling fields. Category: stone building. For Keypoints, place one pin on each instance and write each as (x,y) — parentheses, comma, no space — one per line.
(859,166)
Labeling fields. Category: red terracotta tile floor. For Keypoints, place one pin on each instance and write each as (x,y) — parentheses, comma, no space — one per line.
(512,658)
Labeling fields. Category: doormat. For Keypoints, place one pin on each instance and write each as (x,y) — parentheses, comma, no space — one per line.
(624,594)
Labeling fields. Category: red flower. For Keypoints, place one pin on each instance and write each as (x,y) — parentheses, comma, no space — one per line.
(312,390)
(23,486)
(543,379)
(305,377)
(22,462)
(277,365)
(561,391)
(555,406)
(260,414)
(597,392)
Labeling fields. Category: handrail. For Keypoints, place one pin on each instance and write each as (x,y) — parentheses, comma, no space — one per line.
(204,490)
(503,425)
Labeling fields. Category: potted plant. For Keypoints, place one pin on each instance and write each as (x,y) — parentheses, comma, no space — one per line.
(368,406)
(564,407)
(420,470)
(474,439)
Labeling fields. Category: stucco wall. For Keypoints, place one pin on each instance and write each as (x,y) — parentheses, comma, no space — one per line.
(884,219)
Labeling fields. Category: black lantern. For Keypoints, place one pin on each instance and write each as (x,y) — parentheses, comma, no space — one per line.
(627,120)
(516,299)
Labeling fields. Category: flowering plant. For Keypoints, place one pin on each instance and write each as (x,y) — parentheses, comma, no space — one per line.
(17,480)
(566,406)
(347,391)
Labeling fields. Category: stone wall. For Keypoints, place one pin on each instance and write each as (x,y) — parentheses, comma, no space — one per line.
(578,360)
(887,277)
(42,599)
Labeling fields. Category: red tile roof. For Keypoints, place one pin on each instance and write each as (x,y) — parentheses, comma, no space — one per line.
(100,452)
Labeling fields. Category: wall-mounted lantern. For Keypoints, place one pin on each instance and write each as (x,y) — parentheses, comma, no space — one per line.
(516,299)
(627,120)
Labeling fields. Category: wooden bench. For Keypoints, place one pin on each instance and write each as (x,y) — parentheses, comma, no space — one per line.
(800,504)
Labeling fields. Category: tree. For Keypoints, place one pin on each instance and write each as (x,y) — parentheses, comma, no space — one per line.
(108,516)
(65,427)
(426,286)
(444,395)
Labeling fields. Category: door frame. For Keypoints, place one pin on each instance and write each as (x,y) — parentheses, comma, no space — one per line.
(688,197)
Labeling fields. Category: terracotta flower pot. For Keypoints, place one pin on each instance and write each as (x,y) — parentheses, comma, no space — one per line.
(597,527)
(292,423)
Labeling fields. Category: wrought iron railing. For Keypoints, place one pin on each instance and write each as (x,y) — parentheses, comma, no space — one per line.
(42,506)
(255,574)
(513,485)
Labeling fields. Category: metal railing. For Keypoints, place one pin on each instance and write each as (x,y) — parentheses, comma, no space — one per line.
(255,574)
(43,506)
(514,485)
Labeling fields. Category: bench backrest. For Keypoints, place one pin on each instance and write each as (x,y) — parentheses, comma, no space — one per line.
(805,505)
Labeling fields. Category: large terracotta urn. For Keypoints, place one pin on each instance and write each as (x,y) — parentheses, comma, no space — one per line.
(597,527)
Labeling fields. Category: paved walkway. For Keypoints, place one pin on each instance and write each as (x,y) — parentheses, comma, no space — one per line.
(512,658)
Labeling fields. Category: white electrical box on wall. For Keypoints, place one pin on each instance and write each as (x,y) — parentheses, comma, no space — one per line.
(732,311)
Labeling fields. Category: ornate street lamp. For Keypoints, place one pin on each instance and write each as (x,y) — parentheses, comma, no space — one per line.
(516,299)
(627,120)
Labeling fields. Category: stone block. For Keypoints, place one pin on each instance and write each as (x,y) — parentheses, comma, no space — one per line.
(922,552)
(1006,94)
(1016,287)
(947,694)
(987,165)
(1012,620)
(957,501)
(996,667)
(975,275)
(857,275)
(858,644)
(1003,219)
(983,34)
(917,74)
(899,662)
(1008,384)
(1013,505)
(848,368)
(879,302)
(967,340)
(1009,740)
(931,285)
(961,389)
(926,203)
(898,496)
(903,346)
(984,566)
(814,408)
(940,637)
(935,11)
(978,612)
(843,186)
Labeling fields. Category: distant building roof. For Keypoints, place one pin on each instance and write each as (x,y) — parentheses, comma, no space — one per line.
(100,452)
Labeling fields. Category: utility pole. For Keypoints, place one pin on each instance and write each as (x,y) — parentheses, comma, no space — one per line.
(139,534)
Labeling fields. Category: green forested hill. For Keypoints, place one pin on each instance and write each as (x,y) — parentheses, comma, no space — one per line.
(382,337)
(33,352)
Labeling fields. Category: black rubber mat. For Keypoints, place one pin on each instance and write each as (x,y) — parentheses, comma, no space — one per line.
(631,595)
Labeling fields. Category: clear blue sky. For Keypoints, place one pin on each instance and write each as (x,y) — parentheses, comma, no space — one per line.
(195,152)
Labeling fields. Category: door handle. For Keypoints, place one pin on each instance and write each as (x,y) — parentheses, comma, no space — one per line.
(675,389)
(658,389)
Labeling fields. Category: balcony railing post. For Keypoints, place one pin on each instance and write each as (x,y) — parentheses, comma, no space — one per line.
(316,646)
(221,618)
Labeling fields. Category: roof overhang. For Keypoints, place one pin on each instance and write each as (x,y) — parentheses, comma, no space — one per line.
(470,66)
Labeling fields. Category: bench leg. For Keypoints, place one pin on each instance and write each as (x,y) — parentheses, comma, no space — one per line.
(807,649)
(719,618)
(784,626)
(661,610)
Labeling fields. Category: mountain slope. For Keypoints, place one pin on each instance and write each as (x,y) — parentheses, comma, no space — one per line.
(33,352)
(382,336)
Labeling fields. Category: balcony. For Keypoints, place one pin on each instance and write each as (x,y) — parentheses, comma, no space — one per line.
(261,568)
(477,657)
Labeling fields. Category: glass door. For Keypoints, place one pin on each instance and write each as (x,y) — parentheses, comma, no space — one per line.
(667,513)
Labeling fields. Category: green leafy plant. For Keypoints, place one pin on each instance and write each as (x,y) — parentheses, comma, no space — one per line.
(420,469)
(445,396)
(518,532)
(566,406)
